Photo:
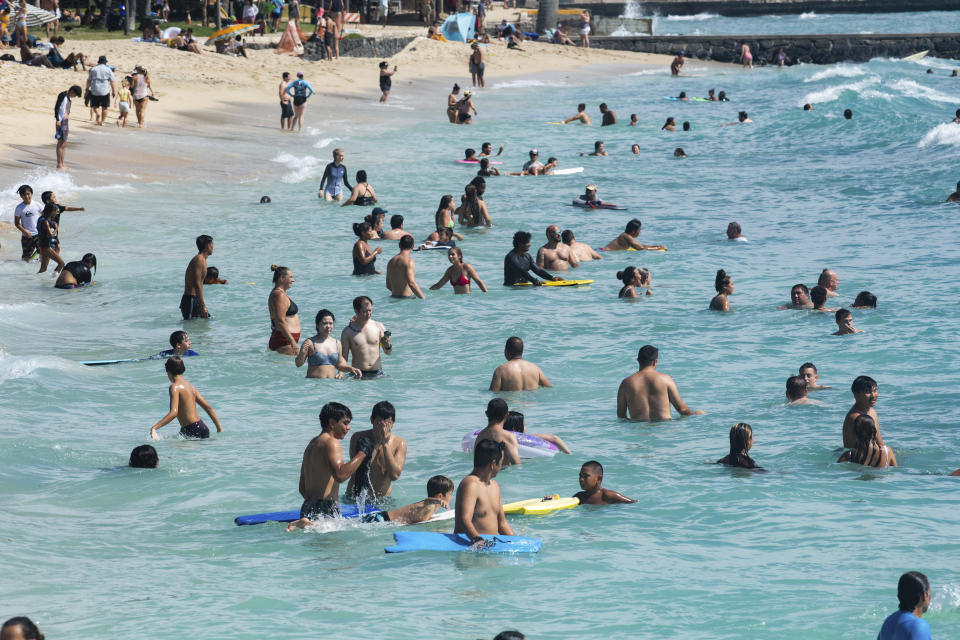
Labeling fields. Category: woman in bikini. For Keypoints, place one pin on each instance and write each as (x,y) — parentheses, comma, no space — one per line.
(746,58)
(633,277)
(724,286)
(868,450)
(473,211)
(363,194)
(283,313)
(452,101)
(459,274)
(323,353)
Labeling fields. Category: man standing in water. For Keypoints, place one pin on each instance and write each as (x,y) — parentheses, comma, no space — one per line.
(400,272)
(496,415)
(581,250)
(518,264)
(555,255)
(363,337)
(517,374)
(648,394)
(192,304)
(609,117)
(286,109)
(479,507)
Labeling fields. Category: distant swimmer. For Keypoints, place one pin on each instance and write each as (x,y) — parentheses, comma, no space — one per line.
(213,276)
(741,441)
(396,229)
(515,422)
(362,194)
(334,178)
(470,155)
(669,125)
(323,469)
(679,153)
(913,592)
(517,374)
(142,457)
(829,280)
(592,490)
(628,240)
(598,150)
(22,627)
(479,509)
(192,304)
(183,405)
(677,64)
(634,120)
(518,264)
(848,114)
(364,257)
(375,220)
(582,251)
(459,274)
(818,296)
(363,337)
(497,412)
(735,233)
(742,118)
(77,273)
(683,96)
(635,149)
(648,394)
(808,107)
(724,286)
(486,170)
(323,353)
(555,255)
(867,450)
(799,298)
(955,196)
(386,455)
(712,95)
(180,343)
(632,278)
(401,280)
(284,318)
(486,150)
(686,126)
(808,371)
(865,300)
(609,117)
(796,391)
(865,396)
(589,198)
(844,320)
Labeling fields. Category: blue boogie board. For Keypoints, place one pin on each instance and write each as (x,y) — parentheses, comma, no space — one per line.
(427,541)
(346,510)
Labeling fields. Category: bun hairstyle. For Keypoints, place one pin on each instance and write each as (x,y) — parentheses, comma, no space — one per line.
(722,280)
(278,272)
(627,275)
(360,229)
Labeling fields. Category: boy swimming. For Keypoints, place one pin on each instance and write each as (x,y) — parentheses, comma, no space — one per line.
(591,479)
(183,405)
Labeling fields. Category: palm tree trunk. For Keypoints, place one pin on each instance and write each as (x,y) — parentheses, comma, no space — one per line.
(547,15)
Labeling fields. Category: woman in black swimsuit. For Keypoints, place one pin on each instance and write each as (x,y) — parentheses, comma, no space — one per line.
(385,81)
(77,274)
(363,194)
(364,258)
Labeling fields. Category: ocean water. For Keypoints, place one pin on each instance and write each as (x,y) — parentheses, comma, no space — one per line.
(809,550)
(810,22)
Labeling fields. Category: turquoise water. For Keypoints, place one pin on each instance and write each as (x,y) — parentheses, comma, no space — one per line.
(809,23)
(809,550)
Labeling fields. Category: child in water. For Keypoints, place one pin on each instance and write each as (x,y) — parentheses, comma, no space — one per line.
(591,479)
(183,405)
(741,440)
(213,276)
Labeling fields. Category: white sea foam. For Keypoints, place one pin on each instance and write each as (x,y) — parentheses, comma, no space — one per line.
(913,89)
(323,143)
(694,18)
(18,367)
(809,15)
(839,71)
(650,72)
(832,93)
(299,168)
(48,180)
(942,134)
(522,84)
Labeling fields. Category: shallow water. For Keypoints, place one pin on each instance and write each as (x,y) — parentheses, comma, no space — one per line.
(810,22)
(811,549)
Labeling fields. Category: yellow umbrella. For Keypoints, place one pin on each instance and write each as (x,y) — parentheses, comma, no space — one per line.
(229,32)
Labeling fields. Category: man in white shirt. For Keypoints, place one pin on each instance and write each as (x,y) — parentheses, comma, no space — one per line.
(25,218)
(61,111)
(100,83)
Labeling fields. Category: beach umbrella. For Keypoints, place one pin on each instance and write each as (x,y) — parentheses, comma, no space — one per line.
(229,32)
(37,17)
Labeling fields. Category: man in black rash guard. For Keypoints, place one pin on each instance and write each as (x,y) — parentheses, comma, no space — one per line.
(518,264)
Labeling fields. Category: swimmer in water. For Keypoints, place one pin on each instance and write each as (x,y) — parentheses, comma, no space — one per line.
(362,194)
(868,450)
(142,457)
(583,251)
(628,240)
(396,229)
(735,233)
(609,117)
(518,264)
(479,506)
(635,149)
(323,353)
(865,396)
(848,114)
(581,116)
(683,96)
(184,399)
(724,286)
(865,300)
(597,150)
(722,97)
(452,101)
(555,255)
(473,211)
(364,337)
(517,374)
(742,118)
(634,121)
(459,274)
(799,298)
(808,371)
(470,155)
(497,413)
(647,394)
(669,125)
(213,276)
(829,280)
(364,258)
(486,150)
(486,170)
(386,455)
(679,153)
(633,277)
(284,319)
(180,343)
(686,126)
(192,304)
(818,296)
(515,422)
(401,280)
(265,200)
(592,490)
(677,64)
(77,273)
(844,319)
(334,179)
(796,391)
(955,196)
(808,107)
(712,95)
(741,441)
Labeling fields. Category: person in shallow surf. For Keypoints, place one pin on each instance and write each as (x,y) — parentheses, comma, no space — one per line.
(593,492)
(386,456)
(184,399)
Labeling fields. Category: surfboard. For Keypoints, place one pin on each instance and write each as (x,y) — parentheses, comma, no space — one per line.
(99,363)
(628,249)
(346,510)
(702,100)
(537,506)
(556,283)
(555,123)
(609,207)
(476,161)
(916,56)
(427,541)
(566,172)
(677,99)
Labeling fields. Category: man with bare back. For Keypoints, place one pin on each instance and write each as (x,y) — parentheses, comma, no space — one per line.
(648,394)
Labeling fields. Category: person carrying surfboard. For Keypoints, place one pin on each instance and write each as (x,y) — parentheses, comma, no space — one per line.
(479,507)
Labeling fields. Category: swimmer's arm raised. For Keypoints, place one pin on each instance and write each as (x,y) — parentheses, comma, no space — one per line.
(174,409)
(210,412)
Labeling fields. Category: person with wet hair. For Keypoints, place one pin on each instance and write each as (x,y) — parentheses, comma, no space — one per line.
(633,277)
(184,399)
(669,125)
(741,441)
(844,319)
(955,196)
(518,263)
(648,394)
(479,506)
(735,233)
(592,490)
(868,450)
(865,396)
(323,353)
(144,457)
(192,304)
(799,298)
(808,371)
(364,257)
(517,374)
(628,239)
(284,317)
(913,592)
(362,194)
(583,251)
(865,300)
(77,273)
(818,296)
(797,391)
(724,286)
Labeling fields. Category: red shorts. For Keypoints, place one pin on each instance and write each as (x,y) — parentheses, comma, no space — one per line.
(278,340)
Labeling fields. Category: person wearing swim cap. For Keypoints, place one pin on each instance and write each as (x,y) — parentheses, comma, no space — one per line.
(628,240)
(517,374)
(479,506)
(592,490)
(518,264)
(555,255)
(386,456)
(647,394)
(497,412)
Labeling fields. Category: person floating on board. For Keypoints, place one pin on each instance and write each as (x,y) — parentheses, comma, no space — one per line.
(628,239)
(479,507)
(591,481)
(180,342)
(183,405)
(388,453)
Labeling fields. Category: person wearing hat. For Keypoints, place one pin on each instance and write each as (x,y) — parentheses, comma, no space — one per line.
(101,85)
(298,91)
(385,80)
(533,166)
(464,107)
(476,65)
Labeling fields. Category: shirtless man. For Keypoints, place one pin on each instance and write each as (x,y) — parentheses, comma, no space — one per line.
(497,411)
(581,116)
(818,296)
(581,250)
(828,280)
(516,374)
(844,319)
(609,117)
(648,394)
(363,337)
(388,453)
(799,298)
(809,372)
(400,272)
(797,391)
(479,508)
(865,396)
(192,304)
(183,405)
(598,150)
(593,491)
(323,469)
(486,151)
(628,240)
(286,109)
(555,255)
(396,229)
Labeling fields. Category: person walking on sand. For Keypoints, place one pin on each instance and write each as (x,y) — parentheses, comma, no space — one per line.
(476,65)
(385,80)
(298,90)
(648,394)
(61,112)
(101,85)
(140,89)
(286,109)
(184,399)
